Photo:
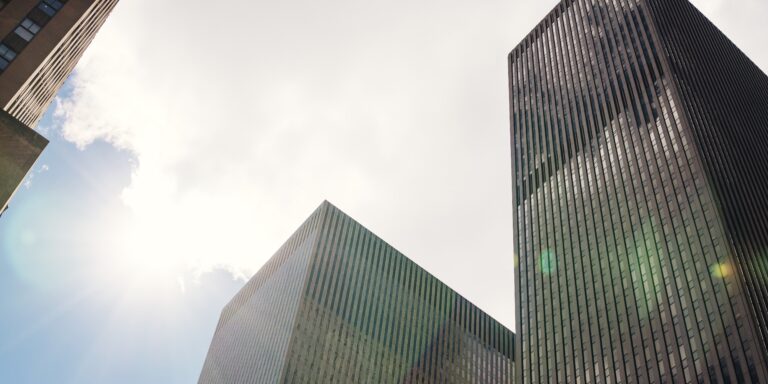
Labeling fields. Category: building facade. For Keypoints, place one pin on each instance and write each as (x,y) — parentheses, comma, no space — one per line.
(641,227)
(42,40)
(40,43)
(336,304)
(19,148)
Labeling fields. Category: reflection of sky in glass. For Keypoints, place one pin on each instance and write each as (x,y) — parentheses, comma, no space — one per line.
(646,280)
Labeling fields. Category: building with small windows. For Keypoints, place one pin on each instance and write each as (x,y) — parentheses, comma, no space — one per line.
(336,304)
(42,40)
(639,136)
(40,43)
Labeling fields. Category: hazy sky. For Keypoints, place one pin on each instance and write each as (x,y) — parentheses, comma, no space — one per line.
(195,137)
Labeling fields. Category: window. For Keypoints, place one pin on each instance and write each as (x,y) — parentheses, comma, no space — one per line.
(24,34)
(47,9)
(55,4)
(7,53)
(27,30)
(6,56)
(31,26)
(50,7)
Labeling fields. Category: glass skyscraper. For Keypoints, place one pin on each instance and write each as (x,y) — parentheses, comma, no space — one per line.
(640,169)
(336,304)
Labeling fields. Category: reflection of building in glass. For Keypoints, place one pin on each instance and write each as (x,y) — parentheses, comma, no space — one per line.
(40,43)
(641,223)
(336,304)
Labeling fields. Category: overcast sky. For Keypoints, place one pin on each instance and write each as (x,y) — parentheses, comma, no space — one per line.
(196,136)
(243,116)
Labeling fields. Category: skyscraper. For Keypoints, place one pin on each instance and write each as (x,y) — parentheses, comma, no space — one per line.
(336,304)
(41,41)
(641,223)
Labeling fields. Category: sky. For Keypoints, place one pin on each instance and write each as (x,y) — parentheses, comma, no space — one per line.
(194,138)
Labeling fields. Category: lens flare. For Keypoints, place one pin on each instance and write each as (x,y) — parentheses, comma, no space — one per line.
(721,270)
(548,262)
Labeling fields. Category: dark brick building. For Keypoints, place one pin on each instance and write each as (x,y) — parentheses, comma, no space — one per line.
(40,43)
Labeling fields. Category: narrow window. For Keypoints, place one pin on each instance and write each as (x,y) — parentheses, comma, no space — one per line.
(27,30)
(31,26)
(24,34)
(7,53)
(55,4)
(6,56)
(47,9)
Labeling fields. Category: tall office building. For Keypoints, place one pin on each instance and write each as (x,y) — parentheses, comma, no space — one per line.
(336,304)
(639,137)
(40,43)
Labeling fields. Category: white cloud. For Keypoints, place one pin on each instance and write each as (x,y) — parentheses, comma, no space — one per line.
(31,175)
(244,116)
